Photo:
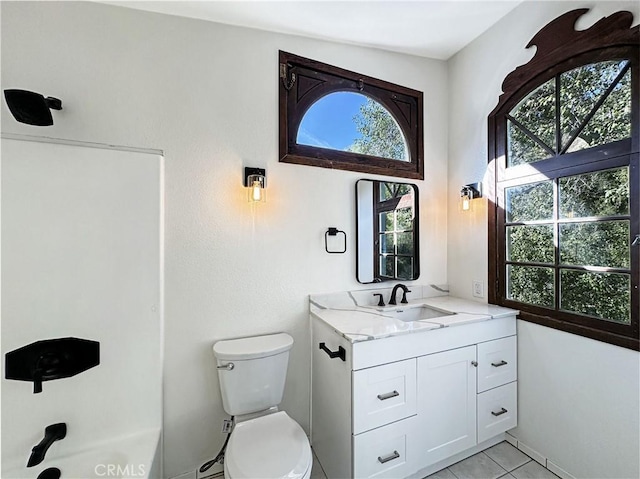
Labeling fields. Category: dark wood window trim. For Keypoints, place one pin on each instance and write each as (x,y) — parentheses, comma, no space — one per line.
(561,48)
(303,82)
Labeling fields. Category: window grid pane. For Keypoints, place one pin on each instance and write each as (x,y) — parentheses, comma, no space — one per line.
(567,241)
(605,296)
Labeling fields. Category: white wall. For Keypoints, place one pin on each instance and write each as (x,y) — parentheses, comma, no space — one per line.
(579,398)
(81,257)
(206,94)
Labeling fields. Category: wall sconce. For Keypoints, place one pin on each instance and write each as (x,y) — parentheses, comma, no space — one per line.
(468,193)
(255,180)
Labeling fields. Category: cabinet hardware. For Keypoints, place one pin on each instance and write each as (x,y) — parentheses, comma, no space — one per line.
(501,363)
(499,413)
(226,367)
(340,353)
(474,364)
(390,395)
(390,457)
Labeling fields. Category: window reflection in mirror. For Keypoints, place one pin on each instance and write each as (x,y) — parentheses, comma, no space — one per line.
(353,122)
(387,231)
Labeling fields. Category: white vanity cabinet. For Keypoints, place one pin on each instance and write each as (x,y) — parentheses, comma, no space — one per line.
(399,404)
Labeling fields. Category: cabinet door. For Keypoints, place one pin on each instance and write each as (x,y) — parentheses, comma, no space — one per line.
(497,363)
(446,403)
(383,394)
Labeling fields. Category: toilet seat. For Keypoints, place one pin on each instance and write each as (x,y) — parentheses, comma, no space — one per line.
(268,447)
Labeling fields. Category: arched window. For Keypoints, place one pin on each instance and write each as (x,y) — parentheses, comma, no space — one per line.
(334,118)
(564,244)
(353,122)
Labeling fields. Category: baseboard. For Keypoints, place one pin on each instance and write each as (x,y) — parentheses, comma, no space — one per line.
(186,475)
(532,453)
(558,471)
(539,458)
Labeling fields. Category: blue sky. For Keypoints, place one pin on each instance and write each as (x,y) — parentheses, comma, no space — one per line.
(329,121)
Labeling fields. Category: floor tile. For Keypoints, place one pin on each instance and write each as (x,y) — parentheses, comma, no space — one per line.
(479,466)
(316,469)
(443,474)
(533,470)
(507,456)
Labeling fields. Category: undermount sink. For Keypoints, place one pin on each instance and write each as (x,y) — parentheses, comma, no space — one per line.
(417,313)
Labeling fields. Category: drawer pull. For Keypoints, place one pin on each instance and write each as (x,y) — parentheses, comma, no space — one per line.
(501,363)
(390,457)
(386,396)
(340,353)
(499,413)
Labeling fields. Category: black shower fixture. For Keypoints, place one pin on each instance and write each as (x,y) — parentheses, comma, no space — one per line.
(31,108)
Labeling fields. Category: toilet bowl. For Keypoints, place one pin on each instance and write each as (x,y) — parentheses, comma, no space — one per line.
(268,447)
(265,443)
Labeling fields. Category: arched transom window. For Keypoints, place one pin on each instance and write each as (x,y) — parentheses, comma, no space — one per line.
(335,118)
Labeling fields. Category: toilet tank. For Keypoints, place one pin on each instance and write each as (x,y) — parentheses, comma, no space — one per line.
(255,373)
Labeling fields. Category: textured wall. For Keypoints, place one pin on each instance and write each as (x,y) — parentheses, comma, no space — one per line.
(206,94)
(578,398)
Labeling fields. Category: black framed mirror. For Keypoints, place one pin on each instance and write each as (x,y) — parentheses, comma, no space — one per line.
(387,229)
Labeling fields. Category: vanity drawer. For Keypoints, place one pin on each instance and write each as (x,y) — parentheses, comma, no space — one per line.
(383,394)
(497,363)
(387,452)
(497,411)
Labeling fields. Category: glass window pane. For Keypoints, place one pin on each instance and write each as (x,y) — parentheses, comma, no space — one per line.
(580,90)
(533,201)
(347,121)
(595,244)
(602,295)
(522,148)
(387,243)
(602,193)
(531,284)
(387,266)
(404,219)
(387,191)
(536,113)
(530,244)
(405,243)
(612,121)
(386,222)
(405,267)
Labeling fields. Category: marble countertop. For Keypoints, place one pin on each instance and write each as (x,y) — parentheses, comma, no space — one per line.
(366,322)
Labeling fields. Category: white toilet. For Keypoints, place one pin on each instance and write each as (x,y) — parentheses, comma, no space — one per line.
(265,443)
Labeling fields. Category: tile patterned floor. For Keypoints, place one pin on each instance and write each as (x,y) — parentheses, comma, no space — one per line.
(500,461)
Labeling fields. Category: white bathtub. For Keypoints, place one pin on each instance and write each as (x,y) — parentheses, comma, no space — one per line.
(135,456)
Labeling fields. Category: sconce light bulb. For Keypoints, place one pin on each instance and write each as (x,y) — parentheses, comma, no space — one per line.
(466,203)
(256,191)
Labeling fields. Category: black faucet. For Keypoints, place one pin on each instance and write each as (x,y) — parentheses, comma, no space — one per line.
(52,433)
(404,289)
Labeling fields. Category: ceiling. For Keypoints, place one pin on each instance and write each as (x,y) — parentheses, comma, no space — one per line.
(427,28)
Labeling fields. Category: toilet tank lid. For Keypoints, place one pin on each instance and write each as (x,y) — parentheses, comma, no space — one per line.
(253,347)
